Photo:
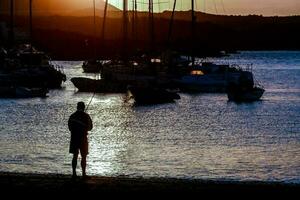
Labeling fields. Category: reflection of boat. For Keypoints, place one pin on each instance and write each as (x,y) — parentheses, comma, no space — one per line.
(10,88)
(152,95)
(22,92)
(244,95)
(92,66)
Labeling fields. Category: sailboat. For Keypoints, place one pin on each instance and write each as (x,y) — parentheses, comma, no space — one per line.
(136,75)
(207,76)
(246,90)
(30,68)
(94,65)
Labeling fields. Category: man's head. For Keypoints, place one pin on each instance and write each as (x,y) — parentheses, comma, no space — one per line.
(80,106)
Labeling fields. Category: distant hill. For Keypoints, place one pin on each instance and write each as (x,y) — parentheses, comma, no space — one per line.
(66,36)
(57,7)
(90,11)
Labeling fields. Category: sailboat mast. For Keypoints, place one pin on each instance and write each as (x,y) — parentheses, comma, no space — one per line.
(171,22)
(12,33)
(151,22)
(135,20)
(125,26)
(30,20)
(104,21)
(193,31)
(132,18)
(95,51)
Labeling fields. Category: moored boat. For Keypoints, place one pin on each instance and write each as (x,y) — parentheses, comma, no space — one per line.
(245,90)
(210,77)
(152,95)
(92,66)
(98,85)
(245,95)
(32,68)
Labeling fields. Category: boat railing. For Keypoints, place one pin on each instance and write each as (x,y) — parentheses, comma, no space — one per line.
(238,66)
(59,68)
(242,67)
(257,83)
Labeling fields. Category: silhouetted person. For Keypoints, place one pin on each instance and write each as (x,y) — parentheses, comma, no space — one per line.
(79,124)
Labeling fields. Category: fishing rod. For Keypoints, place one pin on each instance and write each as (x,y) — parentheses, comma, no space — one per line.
(87,107)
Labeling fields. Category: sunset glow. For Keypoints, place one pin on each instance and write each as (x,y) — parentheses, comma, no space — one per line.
(227,7)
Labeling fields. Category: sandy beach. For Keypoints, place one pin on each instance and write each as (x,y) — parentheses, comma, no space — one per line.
(18,183)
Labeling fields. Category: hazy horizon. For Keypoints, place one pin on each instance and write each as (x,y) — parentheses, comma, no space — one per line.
(223,7)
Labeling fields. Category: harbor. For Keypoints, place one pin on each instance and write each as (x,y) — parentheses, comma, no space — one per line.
(213,136)
(171,108)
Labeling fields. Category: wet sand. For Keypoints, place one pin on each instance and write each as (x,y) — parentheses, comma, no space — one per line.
(18,183)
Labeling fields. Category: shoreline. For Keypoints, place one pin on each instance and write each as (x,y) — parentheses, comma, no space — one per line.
(20,183)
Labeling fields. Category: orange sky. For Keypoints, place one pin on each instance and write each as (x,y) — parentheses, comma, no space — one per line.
(236,7)
(265,7)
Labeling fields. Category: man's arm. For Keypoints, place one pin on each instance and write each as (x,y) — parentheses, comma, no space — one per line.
(70,124)
(90,123)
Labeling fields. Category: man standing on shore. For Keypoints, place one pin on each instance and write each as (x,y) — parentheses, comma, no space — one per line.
(79,124)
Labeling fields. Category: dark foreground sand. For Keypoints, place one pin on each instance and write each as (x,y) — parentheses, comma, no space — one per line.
(18,183)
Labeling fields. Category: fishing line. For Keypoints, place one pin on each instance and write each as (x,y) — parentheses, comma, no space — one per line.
(94,93)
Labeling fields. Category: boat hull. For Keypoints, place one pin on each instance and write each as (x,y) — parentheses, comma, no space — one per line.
(248,95)
(92,67)
(98,86)
(150,95)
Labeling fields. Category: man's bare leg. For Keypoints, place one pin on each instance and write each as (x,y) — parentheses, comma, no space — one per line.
(74,164)
(83,165)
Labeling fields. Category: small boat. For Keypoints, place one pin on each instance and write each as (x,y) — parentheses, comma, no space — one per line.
(32,68)
(210,77)
(152,95)
(245,89)
(92,66)
(115,77)
(98,85)
(245,95)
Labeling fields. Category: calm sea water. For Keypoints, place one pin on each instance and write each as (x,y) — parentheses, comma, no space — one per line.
(200,136)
